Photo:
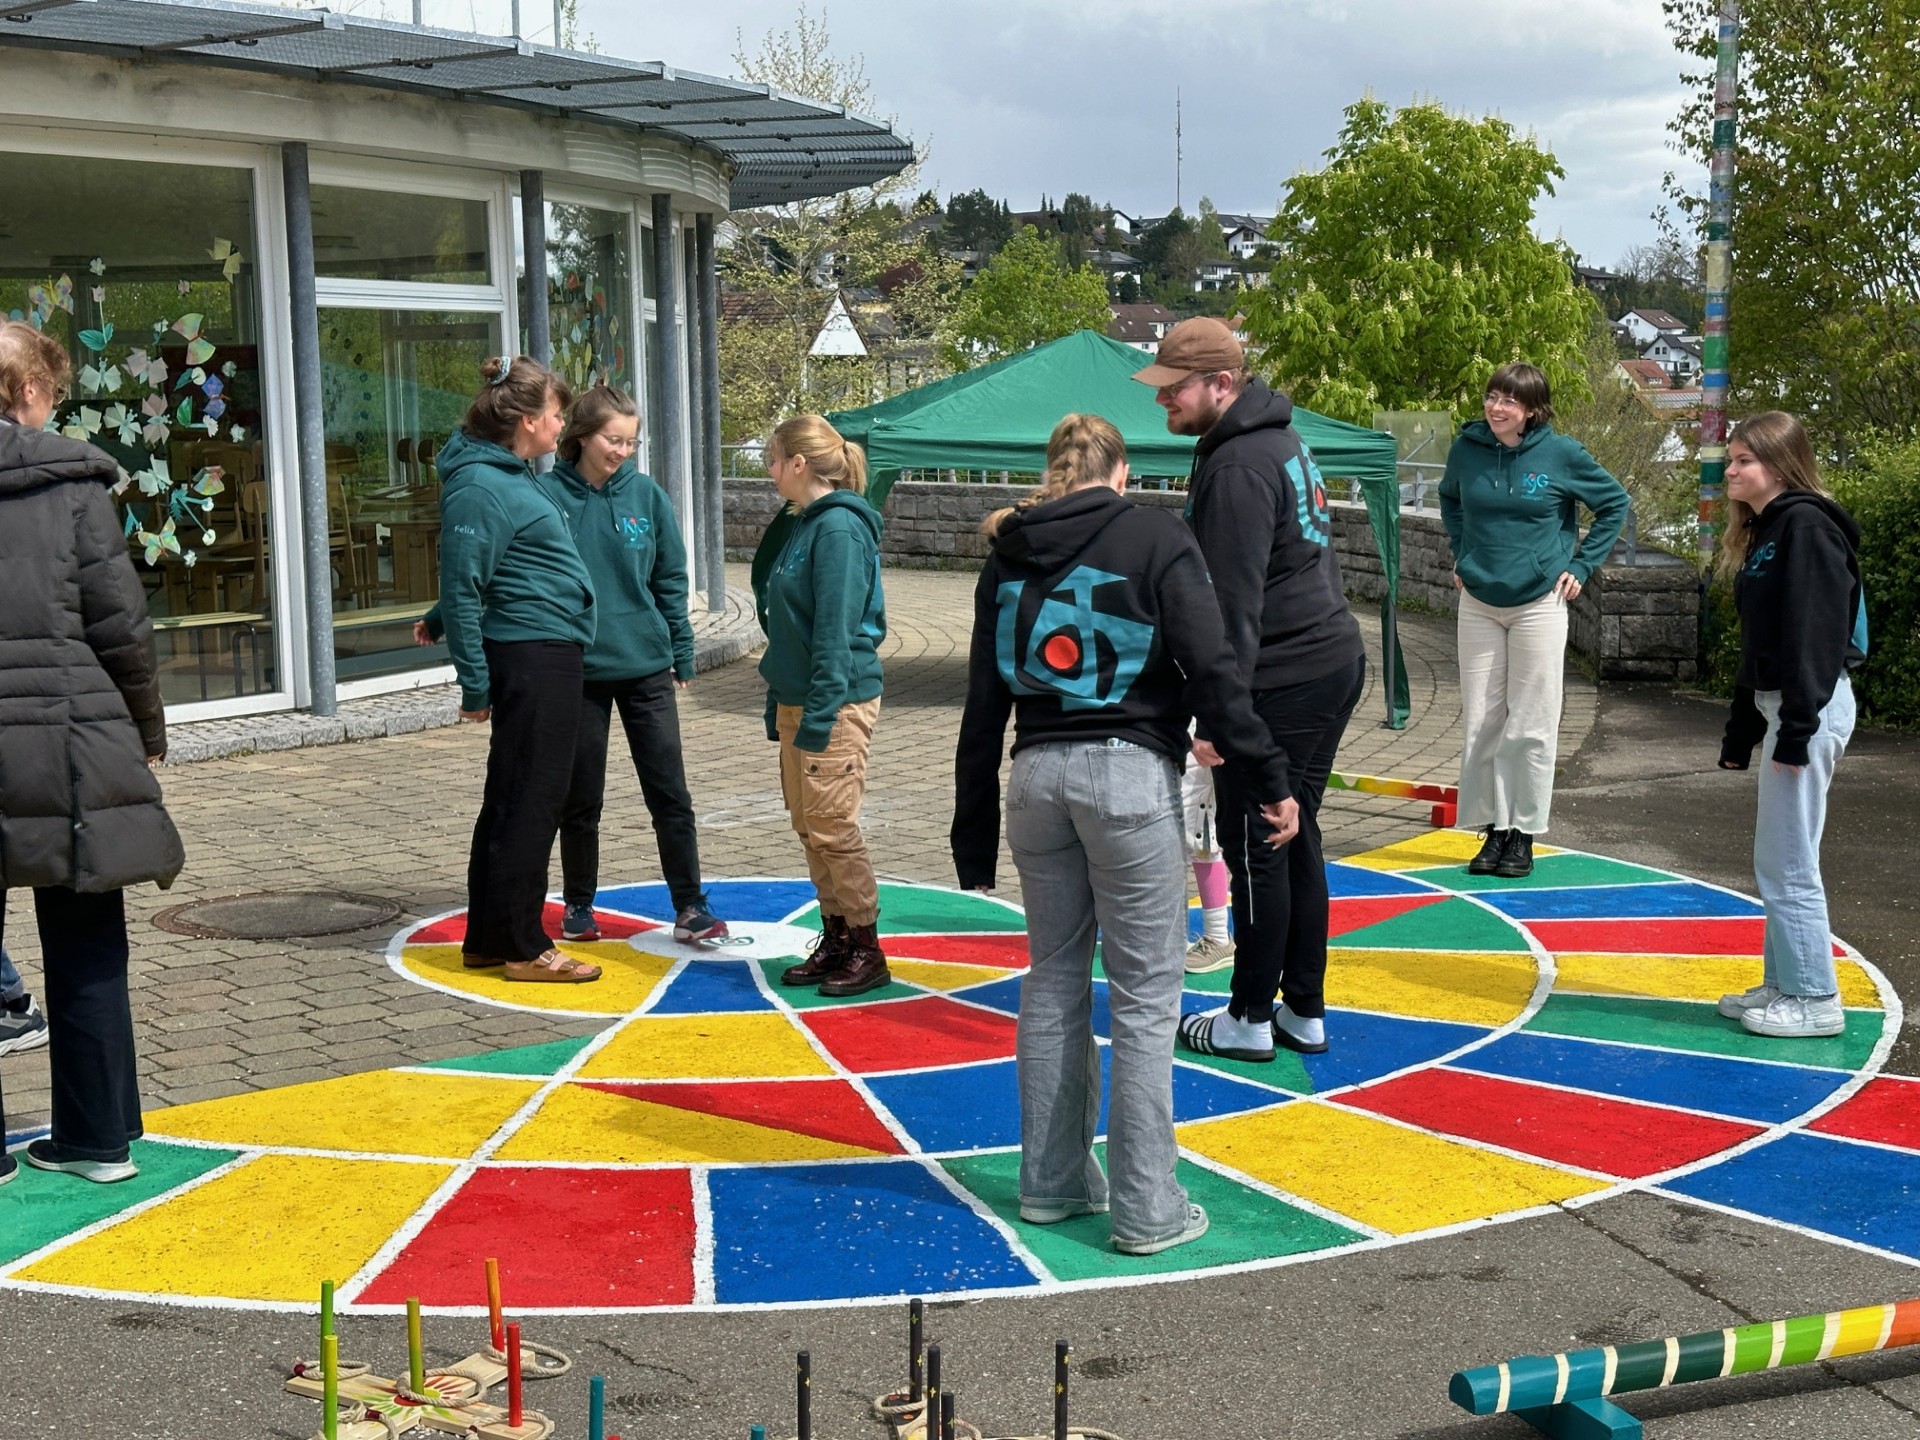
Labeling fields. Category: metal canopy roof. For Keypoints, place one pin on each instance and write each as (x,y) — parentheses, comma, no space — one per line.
(781,147)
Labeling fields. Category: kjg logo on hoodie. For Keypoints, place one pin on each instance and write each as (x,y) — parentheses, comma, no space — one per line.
(635,528)
(1087,659)
(1309,498)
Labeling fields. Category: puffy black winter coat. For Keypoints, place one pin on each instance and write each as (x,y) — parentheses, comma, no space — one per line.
(79,695)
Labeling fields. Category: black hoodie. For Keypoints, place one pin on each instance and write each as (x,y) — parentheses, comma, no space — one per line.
(1093,620)
(1802,621)
(1259,510)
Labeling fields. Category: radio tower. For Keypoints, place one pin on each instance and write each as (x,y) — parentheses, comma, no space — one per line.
(1176,147)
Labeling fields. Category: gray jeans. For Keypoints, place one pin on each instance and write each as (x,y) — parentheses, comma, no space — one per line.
(1095,831)
(1786,847)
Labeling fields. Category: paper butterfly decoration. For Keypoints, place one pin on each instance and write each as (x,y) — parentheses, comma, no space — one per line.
(144,369)
(63,293)
(188,326)
(231,258)
(98,379)
(155,479)
(158,543)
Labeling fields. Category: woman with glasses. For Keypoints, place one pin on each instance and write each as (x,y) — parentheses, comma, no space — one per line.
(1510,501)
(642,649)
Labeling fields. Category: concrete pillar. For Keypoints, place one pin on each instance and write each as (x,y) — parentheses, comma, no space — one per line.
(709,306)
(666,293)
(309,429)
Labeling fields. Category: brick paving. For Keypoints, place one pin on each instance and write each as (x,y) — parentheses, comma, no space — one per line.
(392,816)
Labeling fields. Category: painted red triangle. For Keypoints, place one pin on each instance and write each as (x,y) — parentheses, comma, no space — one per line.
(1006,950)
(453,929)
(825,1109)
(1356,912)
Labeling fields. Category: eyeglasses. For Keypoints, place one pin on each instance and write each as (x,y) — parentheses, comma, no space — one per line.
(1167,392)
(1503,402)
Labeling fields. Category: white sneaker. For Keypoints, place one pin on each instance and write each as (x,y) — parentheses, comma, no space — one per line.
(1796,1017)
(26,1030)
(1196,1227)
(1053,1212)
(1758,998)
(1205,956)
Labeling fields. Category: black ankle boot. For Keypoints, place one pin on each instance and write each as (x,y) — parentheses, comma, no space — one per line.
(1516,859)
(1491,849)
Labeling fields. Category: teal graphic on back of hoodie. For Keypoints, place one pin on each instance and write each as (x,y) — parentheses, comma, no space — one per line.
(1062,656)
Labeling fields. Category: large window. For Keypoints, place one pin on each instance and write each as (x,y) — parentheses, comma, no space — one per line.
(391,235)
(145,272)
(590,295)
(396,384)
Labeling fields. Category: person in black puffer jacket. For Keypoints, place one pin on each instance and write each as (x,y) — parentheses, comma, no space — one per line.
(81,725)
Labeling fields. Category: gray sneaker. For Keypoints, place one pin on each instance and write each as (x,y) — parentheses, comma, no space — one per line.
(43,1154)
(1205,956)
(1196,1227)
(1758,998)
(24,1031)
(1796,1017)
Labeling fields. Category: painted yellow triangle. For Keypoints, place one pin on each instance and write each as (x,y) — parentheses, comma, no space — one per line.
(628,976)
(939,975)
(705,1047)
(1437,847)
(578,1123)
(1689,977)
(1472,987)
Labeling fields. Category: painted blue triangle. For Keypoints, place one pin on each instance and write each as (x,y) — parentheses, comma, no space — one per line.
(761,900)
(707,987)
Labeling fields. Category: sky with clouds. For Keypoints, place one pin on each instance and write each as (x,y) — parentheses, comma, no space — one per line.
(1025,97)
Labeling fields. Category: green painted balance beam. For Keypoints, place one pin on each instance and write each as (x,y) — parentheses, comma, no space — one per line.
(1565,1395)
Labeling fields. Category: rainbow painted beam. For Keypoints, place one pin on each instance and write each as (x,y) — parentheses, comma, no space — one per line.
(1565,1395)
(1445,799)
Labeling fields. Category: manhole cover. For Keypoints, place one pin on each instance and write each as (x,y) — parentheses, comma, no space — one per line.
(277,915)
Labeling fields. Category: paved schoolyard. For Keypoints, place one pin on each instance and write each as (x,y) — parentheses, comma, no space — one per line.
(1356,1345)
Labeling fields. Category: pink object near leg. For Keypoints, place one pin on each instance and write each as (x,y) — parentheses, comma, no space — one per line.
(1210,878)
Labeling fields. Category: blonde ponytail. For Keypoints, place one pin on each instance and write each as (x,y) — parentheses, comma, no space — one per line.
(838,461)
(1083,450)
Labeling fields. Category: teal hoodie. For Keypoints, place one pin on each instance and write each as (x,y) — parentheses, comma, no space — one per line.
(508,567)
(1511,515)
(635,556)
(824,615)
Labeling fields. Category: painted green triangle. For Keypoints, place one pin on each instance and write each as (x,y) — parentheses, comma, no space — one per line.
(1285,1070)
(1246,1224)
(1701,1028)
(808,997)
(38,1207)
(545,1059)
(922,910)
(1549,872)
(1449,925)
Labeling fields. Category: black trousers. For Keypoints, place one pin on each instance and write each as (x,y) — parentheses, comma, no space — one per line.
(536,710)
(1280,895)
(652,722)
(96,1094)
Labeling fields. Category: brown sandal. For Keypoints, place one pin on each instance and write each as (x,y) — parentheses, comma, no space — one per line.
(553,968)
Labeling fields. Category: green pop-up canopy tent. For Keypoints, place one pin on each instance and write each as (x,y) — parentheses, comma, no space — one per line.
(998,417)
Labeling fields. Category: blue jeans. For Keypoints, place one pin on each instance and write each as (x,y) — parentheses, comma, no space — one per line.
(1786,847)
(1095,831)
(12,987)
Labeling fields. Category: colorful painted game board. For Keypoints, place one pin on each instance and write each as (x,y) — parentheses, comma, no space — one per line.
(715,1139)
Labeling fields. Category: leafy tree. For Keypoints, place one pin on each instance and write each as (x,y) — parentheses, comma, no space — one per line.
(1408,269)
(1155,250)
(1825,310)
(1662,276)
(976,221)
(1026,296)
(1128,290)
(1208,232)
(1078,222)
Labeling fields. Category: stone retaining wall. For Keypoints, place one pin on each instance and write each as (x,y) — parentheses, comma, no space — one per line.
(1632,621)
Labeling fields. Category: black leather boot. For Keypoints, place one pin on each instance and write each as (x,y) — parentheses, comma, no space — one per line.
(1490,851)
(1516,859)
(828,954)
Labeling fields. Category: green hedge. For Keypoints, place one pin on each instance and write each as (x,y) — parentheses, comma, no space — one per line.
(1882,490)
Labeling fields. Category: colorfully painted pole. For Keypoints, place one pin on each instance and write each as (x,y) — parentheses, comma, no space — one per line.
(1061,1350)
(803,1399)
(1531,1382)
(1713,350)
(495,1324)
(597,1408)
(513,1375)
(916,1353)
